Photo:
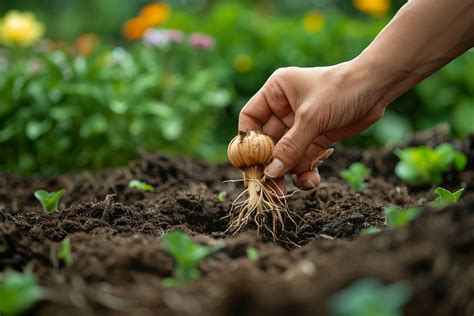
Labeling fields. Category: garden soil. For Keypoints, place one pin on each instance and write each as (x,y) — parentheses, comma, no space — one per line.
(119,261)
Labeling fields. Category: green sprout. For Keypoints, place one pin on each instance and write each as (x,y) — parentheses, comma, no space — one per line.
(221,196)
(446,197)
(370,231)
(18,292)
(140,185)
(187,254)
(397,217)
(355,176)
(252,253)
(370,297)
(49,200)
(64,253)
(425,165)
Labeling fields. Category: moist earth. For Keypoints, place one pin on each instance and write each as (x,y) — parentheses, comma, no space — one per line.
(119,261)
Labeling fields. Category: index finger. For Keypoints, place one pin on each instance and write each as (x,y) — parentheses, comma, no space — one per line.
(255,113)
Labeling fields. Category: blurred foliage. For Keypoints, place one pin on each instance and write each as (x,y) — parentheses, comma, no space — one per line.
(92,101)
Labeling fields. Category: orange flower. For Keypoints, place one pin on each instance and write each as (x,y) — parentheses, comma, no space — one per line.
(373,7)
(134,28)
(155,13)
(151,15)
(85,43)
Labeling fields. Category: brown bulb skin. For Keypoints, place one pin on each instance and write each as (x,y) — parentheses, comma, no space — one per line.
(249,149)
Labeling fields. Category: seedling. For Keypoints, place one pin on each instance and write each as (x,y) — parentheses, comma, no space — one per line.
(64,253)
(221,196)
(355,176)
(18,292)
(446,197)
(370,230)
(252,253)
(49,200)
(397,217)
(140,185)
(187,254)
(425,165)
(370,297)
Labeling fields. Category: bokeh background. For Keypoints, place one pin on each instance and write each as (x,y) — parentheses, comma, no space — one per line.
(85,84)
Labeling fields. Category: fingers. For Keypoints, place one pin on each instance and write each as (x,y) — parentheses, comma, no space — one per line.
(308,180)
(289,150)
(277,186)
(270,100)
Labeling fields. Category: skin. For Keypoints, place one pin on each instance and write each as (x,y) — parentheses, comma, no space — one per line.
(306,110)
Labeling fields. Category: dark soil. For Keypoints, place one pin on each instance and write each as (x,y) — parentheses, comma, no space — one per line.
(119,260)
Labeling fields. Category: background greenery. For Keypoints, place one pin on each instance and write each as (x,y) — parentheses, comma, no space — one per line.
(66,108)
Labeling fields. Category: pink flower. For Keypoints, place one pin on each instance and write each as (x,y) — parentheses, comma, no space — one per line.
(201,40)
(175,36)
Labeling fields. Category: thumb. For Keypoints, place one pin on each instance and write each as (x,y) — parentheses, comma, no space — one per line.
(289,150)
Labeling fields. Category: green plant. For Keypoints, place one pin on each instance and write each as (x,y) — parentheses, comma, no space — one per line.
(140,185)
(446,197)
(49,200)
(18,292)
(3,248)
(426,165)
(221,196)
(397,217)
(252,253)
(64,253)
(370,230)
(355,175)
(187,254)
(370,297)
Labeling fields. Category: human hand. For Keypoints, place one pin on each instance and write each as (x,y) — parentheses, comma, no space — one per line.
(305,110)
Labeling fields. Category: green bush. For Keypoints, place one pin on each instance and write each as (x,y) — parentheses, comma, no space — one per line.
(65,111)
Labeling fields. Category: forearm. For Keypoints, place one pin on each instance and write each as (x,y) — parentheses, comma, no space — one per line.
(422,37)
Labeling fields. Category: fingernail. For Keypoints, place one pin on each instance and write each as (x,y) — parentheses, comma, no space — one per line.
(327,153)
(275,168)
(317,163)
(308,184)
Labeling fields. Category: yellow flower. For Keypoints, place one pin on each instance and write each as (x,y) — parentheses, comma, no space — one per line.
(313,21)
(20,28)
(373,7)
(243,63)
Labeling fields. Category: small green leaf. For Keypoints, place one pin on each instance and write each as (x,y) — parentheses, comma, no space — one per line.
(252,253)
(187,254)
(399,217)
(140,185)
(18,292)
(221,196)
(370,230)
(64,253)
(446,197)
(371,297)
(49,200)
(355,175)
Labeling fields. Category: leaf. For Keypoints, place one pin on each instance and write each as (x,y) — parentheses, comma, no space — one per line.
(221,196)
(18,292)
(64,253)
(371,297)
(187,254)
(460,161)
(397,217)
(252,253)
(446,197)
(49,201)
(140,185)
(370,231)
